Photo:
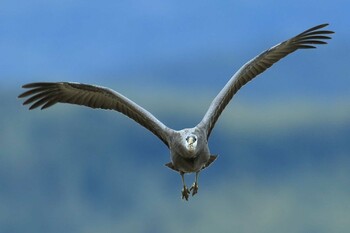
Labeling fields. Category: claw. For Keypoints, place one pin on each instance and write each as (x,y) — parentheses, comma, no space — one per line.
(185,193)
(194,188)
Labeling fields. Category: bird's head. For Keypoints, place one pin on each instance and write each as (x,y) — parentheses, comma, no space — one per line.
(191,142)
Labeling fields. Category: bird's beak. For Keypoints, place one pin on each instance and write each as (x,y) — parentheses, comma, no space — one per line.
(190,140)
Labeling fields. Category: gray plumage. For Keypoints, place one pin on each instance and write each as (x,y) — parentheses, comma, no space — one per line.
(188,147)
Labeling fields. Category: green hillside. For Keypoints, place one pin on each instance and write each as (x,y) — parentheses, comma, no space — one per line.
(283,166)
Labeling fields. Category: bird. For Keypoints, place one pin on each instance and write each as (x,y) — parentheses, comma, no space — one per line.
(189,150)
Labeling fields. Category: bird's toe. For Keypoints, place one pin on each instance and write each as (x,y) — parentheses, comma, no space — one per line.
(194,188)
(185,193)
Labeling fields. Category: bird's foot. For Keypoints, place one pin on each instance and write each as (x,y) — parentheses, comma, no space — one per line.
(185,193)
(194,188)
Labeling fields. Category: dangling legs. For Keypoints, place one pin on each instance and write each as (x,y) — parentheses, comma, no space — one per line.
(194,187)
(184,190)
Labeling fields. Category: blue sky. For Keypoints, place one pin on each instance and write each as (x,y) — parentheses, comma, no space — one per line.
(159,42)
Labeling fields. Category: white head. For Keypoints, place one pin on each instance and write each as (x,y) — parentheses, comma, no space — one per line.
(191,142)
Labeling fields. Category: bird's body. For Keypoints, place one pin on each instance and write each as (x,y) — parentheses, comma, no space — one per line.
(188,147)
(189,158)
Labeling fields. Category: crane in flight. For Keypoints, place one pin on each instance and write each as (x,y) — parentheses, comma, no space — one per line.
(188,147)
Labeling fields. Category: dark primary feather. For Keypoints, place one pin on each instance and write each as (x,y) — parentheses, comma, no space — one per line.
(47,94)
(305,40)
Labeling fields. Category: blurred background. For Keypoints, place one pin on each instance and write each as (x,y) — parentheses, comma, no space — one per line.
(283,141)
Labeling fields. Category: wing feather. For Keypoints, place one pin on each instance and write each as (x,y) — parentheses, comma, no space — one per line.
(304,40)
(44,95)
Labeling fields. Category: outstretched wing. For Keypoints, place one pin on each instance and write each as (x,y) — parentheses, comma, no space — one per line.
(305,40)
(46,94)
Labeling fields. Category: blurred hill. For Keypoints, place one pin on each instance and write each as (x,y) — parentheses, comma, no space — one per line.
(69,169)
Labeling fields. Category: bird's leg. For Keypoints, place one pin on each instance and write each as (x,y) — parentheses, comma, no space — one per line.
(184,190)
(194,187)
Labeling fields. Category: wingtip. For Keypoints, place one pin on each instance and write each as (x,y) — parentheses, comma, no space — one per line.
(320,26)
(45,106)
(37,84)
(28,85)
(324,25)
(32,107)
(22,95)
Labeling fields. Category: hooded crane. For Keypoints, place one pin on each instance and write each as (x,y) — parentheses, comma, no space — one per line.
(188,147)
